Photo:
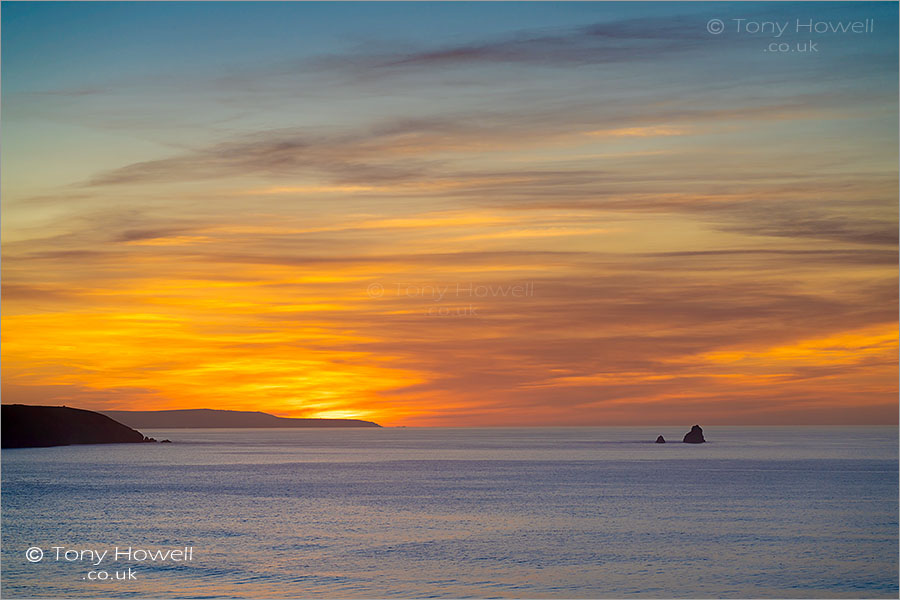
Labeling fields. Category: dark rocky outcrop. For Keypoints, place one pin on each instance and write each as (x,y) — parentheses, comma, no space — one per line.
(207,417)
(660,440)
(694,436)
(26,426)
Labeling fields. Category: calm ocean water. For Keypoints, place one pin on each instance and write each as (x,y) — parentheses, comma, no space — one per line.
(566,513)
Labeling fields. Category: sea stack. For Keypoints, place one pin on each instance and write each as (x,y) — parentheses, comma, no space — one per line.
(694,436)
(660,440)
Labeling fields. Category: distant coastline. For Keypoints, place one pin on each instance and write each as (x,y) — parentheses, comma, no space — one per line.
(213,418)
(27,426)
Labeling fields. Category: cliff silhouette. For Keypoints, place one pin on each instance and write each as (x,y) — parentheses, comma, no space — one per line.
(25,426)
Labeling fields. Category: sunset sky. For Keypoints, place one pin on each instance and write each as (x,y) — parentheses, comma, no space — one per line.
(452,214)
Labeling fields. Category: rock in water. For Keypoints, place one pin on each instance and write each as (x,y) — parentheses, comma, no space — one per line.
(660,440)
(694,436)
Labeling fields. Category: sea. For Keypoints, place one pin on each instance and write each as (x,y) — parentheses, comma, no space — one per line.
(757,512)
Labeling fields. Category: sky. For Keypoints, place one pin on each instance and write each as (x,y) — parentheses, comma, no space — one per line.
(453,214)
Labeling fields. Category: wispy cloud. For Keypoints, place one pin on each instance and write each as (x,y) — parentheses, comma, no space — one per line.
(630,40)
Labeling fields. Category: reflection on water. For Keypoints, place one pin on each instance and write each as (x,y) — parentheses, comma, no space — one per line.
(587,512)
